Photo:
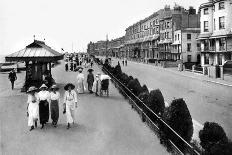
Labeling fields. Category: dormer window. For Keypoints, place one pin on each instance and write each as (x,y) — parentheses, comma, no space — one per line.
(206,11)
(221,5)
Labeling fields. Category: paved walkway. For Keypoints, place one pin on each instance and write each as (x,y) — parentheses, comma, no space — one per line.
(106,126)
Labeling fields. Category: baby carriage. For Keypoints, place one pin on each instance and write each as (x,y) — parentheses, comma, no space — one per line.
(104,85)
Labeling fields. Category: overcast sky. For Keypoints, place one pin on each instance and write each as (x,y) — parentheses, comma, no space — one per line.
(66,22)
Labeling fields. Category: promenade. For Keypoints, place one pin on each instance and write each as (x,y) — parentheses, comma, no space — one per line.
(105,125)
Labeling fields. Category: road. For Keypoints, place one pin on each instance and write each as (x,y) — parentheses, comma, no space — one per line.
(105,126)
(206,101)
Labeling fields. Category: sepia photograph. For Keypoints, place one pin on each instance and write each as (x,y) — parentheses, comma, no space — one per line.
(114,77)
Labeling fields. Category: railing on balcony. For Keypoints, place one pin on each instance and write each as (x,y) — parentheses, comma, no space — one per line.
(222,48)
(212,48)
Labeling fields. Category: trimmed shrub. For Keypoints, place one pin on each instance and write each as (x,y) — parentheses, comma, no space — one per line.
(221,148)
(145,89)
(135,86)
(124,78)
(212,134)
(155,101)
(178,117)
(117,71)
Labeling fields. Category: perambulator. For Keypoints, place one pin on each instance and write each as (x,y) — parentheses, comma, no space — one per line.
(104,85)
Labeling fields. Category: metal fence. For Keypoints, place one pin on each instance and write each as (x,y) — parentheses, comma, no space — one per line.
(145,113)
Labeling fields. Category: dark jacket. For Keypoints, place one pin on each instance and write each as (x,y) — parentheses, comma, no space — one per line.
(90,78)
(12,76)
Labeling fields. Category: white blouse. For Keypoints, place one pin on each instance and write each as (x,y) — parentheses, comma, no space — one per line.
(70,96)
(30,98)
(55,96)
(44,95)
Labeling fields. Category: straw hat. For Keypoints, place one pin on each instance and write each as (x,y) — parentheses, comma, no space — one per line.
(43,86)
(69,85)
(31,89)
(54,87)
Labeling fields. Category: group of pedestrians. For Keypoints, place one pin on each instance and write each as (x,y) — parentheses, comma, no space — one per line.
(44,102)
(124,62)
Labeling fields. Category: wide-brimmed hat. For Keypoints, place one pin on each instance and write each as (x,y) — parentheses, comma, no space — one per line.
(31,89)
(43,86)
(90,70)
(54,87)
(69,85)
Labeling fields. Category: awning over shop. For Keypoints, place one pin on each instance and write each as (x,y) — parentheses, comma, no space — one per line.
(36,51)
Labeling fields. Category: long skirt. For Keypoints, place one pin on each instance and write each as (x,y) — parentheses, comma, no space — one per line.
(90,86)
(70,111)
(43,111)
(54,111)
(33,111)
(80,87)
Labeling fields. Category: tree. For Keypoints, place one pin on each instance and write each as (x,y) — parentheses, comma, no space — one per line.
(212,134)
(221,148)
(155,101)
(178,117)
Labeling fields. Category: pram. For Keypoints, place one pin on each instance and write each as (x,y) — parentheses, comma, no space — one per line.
(104,85)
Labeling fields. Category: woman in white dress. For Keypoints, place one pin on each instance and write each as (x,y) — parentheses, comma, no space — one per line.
(44,99)
(80,82)
(32,108)
(54,106)
(70,102)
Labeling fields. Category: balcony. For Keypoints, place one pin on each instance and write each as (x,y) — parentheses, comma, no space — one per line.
(212,48)
(222,48)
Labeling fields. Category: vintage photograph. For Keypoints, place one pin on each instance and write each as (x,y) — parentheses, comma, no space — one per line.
(114,77)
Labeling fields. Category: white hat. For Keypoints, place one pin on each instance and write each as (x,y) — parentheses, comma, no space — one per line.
(32,88)
(43,86)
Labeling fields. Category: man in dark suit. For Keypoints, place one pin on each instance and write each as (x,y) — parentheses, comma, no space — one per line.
(12,77)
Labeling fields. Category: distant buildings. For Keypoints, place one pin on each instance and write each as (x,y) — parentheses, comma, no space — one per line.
(216,35)
(178,35)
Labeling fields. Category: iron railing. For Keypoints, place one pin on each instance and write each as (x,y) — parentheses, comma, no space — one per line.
(145,113)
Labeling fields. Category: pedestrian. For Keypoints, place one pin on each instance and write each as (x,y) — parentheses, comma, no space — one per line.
(96,84)
(70,102)
(90,80)
(80,81)
(71,66)
(54,106)
(66,66)
(12,77)
(91,63)
(123,62)
(32,107)
(44,99)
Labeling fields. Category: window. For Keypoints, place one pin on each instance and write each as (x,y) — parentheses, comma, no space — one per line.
(206,11)
(175,37)
(167,25)
(206,57)
(167,35)
(189,58)
(221,22)
(214,24)
(221,6)
(189,47)
(188,36)
(206,26)
(220,59)
(178,36)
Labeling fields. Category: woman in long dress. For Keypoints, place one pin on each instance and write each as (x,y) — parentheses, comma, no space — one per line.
(70,102)
(80,82)
(32,108)
(54,106)
(44,99)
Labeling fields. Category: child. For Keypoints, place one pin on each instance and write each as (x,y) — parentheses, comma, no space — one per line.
(32,108)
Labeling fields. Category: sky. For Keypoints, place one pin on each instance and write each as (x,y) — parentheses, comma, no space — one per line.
(72,24)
